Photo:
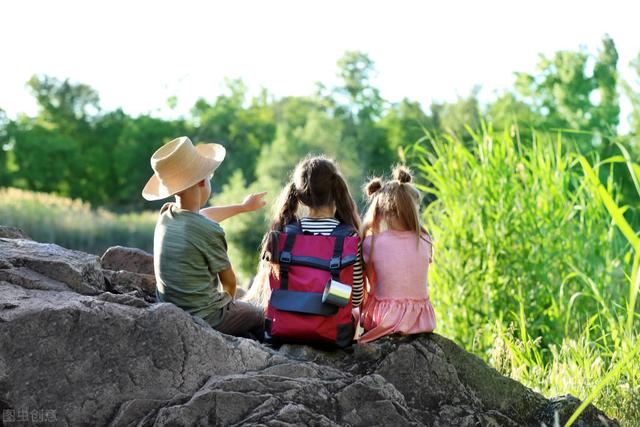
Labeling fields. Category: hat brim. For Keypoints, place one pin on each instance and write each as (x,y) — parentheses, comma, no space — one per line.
(212,156)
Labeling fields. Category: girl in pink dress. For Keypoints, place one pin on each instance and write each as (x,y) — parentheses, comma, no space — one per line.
(397,252)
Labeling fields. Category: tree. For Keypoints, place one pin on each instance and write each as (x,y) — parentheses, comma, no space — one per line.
(321,134)
(508,110)
(453,118)
(242,129)
(43,157)
(295,110)
(68,105)
(567,96)
(405,123)
(606,114)
(104,157)
(69,110)
(359,106)
(138,139)
(355,69)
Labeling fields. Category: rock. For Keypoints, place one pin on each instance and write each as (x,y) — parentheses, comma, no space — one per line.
(111,360)
(131,269)
(435,376)
(123,282)
(562,407)
(49,266)
(114,359)
(130,299)
(130,259)
(85,357)
(12,233)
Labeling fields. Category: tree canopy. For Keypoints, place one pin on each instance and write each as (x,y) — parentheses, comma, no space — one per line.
(103,157)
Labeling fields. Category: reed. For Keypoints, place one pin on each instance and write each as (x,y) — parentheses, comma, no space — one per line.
(536,267)
(73,223)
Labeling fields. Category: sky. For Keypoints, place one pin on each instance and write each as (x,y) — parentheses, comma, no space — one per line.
(137,54)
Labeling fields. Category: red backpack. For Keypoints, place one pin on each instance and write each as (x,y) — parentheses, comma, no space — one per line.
(307,262)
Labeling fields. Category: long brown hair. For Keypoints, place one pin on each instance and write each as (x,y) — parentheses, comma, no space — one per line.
(315,183)
(396,201)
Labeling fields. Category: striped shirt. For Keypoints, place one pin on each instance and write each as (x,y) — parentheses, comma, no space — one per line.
(324,227)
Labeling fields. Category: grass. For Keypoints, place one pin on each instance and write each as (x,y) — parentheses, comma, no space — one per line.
(536,265)
(73,223)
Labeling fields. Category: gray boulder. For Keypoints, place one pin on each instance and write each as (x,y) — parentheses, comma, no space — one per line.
(115,359)
(50,267)
(129,270)
(12,233)
(130,259)
(122,282)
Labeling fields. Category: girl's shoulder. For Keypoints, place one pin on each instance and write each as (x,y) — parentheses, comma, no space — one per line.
(390,233)
(398,236)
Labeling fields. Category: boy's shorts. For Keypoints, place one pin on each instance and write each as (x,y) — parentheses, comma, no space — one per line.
(242,319)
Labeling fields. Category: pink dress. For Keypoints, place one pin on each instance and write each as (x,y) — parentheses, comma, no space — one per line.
(398,298)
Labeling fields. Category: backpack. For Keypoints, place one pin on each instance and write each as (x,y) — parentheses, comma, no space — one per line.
(307,262)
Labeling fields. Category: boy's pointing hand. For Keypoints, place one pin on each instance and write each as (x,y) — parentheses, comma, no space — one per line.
(254,201)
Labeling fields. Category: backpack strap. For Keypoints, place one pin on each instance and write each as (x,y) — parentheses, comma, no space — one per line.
(334,264)
(294,227)
(285,256)
(343,230)
(340,232)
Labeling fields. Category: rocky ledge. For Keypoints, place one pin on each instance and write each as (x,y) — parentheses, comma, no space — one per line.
(82,343)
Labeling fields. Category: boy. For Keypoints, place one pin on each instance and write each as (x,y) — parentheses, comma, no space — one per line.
(190,250)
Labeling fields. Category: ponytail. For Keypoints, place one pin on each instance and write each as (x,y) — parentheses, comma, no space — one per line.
(285,211)
(288,207)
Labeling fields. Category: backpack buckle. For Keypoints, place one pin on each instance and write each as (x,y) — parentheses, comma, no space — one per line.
(334,264)
(285,257)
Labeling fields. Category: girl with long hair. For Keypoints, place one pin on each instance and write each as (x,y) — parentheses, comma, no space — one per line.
(318,197)
(397,252)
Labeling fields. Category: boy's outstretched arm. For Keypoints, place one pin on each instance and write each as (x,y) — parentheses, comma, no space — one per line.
(250,203)
(228,279)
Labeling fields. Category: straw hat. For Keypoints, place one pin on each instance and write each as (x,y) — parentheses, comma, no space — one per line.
(179,165)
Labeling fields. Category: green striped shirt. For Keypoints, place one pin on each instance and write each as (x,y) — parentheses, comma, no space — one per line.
(189,251)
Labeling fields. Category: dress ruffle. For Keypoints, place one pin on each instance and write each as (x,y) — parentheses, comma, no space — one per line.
(395,316)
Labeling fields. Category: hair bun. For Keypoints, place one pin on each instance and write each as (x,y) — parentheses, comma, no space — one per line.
(373,185)
(402,174)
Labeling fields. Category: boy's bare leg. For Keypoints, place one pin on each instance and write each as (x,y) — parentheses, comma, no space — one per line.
(241,318)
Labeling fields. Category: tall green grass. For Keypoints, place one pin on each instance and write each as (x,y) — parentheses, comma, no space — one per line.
(73,223)
(536,267)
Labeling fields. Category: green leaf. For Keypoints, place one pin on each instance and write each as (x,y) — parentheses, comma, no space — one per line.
(634,169)
(615,212)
